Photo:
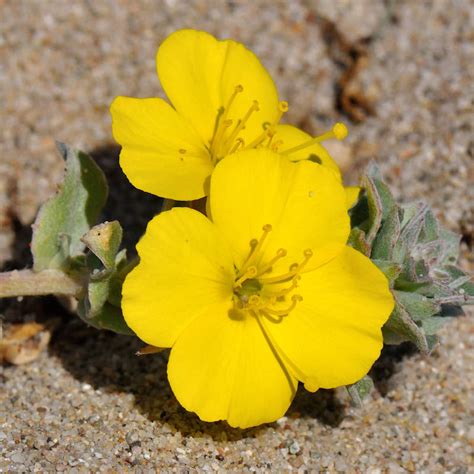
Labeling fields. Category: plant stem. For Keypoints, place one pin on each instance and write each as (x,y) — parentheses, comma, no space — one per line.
(45,282)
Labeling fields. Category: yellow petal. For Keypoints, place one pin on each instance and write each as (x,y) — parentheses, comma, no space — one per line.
(185,271)
(161,154)
(304,202)
(293,136)
(334,336)
(222,368)
(200,73)
(352,195)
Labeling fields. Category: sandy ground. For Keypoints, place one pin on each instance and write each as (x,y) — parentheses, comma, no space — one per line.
(88,403)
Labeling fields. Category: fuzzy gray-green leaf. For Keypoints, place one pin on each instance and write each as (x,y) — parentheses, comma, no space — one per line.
(419,306)
(68,215)
(432,325)
(358,242)
(384,242)
(389,269)
(404,328)
(108,317)
(104,241)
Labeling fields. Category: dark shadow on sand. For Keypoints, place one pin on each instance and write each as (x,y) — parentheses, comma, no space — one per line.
(130,206)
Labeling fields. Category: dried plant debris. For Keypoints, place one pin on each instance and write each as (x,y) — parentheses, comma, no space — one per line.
(23,343)
(352,58)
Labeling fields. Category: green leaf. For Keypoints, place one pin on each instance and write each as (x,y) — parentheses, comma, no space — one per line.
(109,317)
(400,327)
(418,306)
(104,241)
(358,242)
(410,233)
(359,390)
(432,325)
(107,268)
(384,242)
(430,230)
(66,217)
(390,270)
(375,209)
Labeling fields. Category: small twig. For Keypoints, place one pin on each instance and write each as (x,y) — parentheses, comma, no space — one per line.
(47,282)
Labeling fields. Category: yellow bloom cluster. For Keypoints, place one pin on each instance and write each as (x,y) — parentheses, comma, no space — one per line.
(262,292)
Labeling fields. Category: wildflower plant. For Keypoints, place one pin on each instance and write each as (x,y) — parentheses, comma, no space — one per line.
(286,277)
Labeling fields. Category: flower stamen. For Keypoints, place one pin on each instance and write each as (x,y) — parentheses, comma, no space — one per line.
(270,128)
(285,291)
(221,121)
(240,126)
(338,131)
(239,143)
(294,270)
(280,254)
(283,312)
(276,145)
(255,245)
(251,272)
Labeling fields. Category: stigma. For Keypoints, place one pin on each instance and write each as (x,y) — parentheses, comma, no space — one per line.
(259,290)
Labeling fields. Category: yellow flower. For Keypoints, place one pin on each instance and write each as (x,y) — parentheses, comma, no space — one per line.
(262,296)
(223,101)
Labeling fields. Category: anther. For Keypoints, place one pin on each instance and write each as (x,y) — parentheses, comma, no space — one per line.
(276,145)
(253,243)
(283,106)
(254,300)
(308,253)
(251,272)
(182,151)
(239,88)
(239,143)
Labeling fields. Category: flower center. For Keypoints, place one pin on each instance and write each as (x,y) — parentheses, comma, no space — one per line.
(259,290)
(226,140)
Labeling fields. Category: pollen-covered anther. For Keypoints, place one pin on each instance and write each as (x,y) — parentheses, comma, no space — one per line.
(254,301)
(251,272)
(276,145)
(239,143)
(283,107)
